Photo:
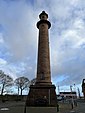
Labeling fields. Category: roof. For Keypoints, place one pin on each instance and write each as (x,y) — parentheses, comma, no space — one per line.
(67,92)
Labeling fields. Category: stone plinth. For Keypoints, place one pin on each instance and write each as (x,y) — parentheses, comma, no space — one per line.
(42,95)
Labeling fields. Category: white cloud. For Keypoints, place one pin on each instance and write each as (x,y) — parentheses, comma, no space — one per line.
(67,36)
(1,39)
(2,62)
(20,30)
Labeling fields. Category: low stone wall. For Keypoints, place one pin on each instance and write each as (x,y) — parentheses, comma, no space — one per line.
(13,98)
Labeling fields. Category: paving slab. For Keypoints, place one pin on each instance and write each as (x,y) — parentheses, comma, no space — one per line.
(19,107)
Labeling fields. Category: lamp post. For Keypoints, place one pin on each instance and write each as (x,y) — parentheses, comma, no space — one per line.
(58,89)
(72,103)
(79,93)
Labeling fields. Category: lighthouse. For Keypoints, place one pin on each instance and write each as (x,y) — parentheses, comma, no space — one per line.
(43,63)
(43,93)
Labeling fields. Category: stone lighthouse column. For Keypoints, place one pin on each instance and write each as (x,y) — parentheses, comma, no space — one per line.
(42,93)
(43,64)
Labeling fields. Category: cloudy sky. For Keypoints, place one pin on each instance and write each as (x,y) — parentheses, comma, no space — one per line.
(19,39)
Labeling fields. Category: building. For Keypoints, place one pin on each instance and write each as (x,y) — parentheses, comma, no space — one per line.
(68,95)
(83,87)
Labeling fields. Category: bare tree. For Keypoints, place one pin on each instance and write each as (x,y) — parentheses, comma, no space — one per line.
(33,81)
(5,81)
(22,83)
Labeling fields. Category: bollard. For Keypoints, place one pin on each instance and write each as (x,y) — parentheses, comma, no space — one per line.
(72,105)
(57,107)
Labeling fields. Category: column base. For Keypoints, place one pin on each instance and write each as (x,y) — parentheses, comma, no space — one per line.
(42,95)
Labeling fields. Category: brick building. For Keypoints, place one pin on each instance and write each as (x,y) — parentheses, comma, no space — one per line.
(83,87)
(68,95)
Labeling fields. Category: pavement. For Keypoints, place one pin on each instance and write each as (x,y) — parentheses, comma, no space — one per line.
(80,108)
(12,107)
(18,107)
